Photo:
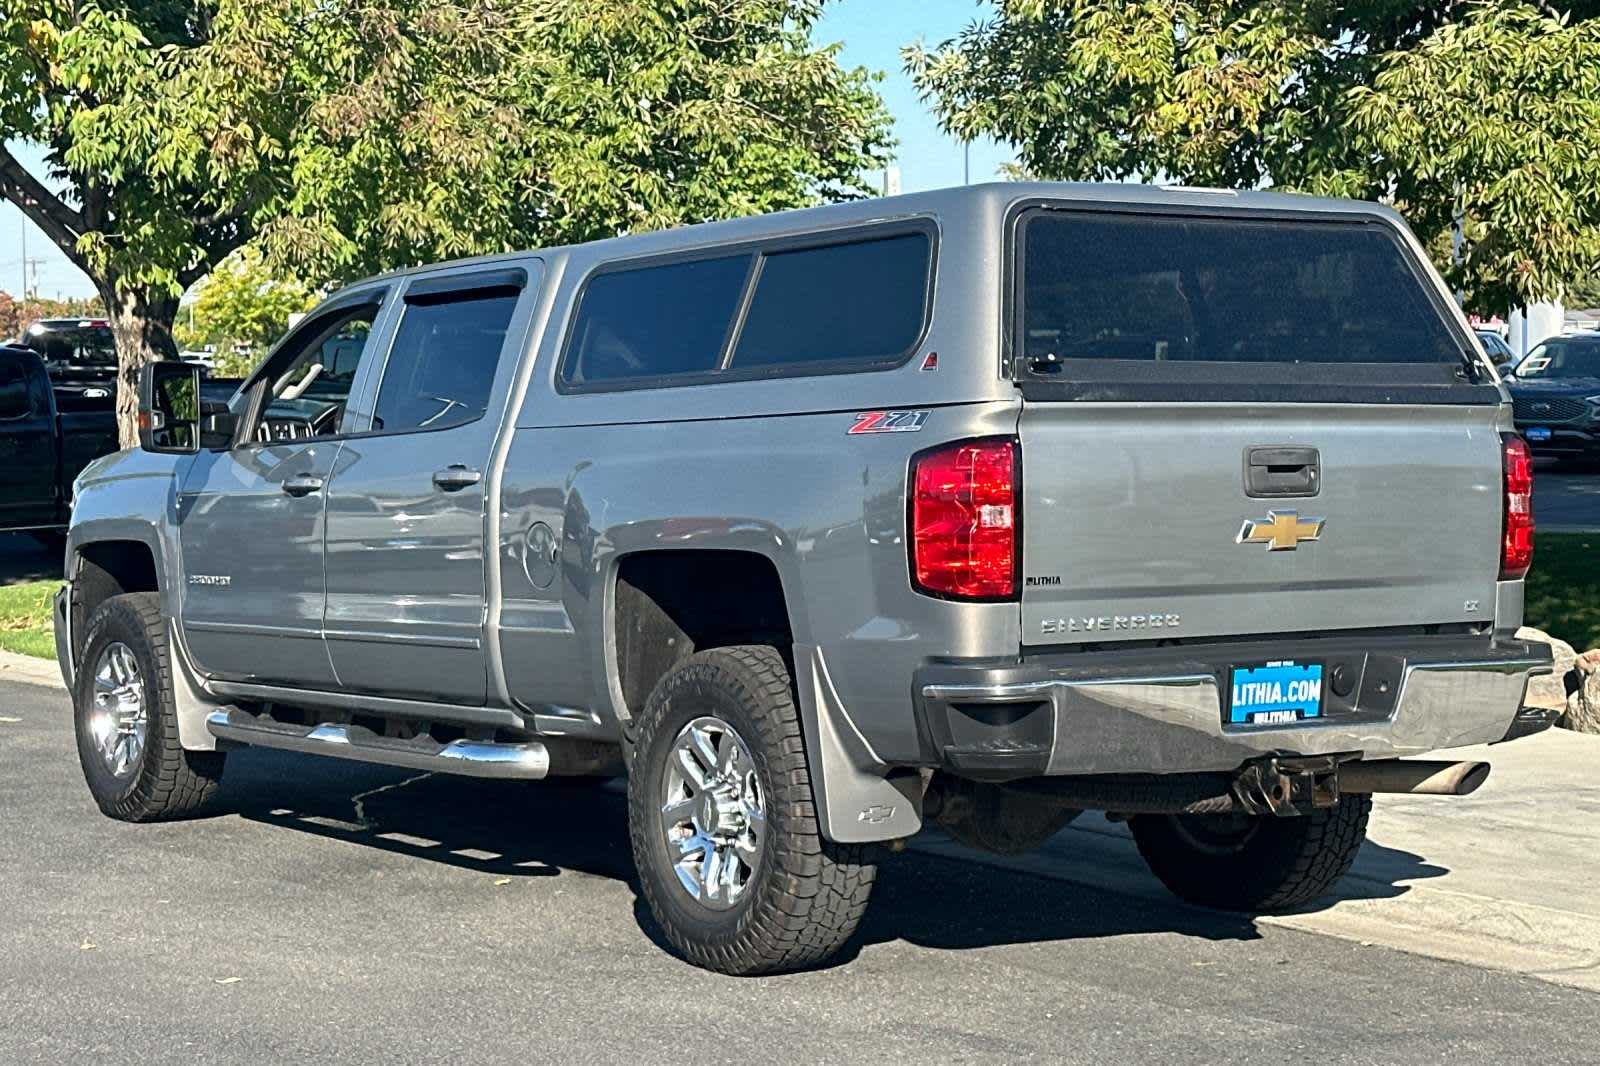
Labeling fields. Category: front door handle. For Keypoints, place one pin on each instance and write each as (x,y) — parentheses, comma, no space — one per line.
(302,485)
(456,477)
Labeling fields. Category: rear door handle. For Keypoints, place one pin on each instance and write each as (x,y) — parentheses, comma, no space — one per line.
(302,485)
(1282,472)
(456,477)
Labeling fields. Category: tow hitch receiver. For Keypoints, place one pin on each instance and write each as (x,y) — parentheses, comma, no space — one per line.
(1287,787)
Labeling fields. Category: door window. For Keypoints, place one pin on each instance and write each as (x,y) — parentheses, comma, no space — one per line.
(14,399)
(442,364)
(309,395)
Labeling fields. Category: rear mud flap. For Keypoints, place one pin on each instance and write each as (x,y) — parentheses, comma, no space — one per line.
(856,802)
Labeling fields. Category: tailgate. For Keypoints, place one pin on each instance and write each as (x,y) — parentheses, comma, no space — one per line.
(1134,519)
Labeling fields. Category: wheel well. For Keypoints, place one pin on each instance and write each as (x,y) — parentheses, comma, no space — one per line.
(105,569)
(671,604)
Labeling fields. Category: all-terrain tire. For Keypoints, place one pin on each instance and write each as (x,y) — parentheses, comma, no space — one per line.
(806,895)
(1253,864)
(165,782)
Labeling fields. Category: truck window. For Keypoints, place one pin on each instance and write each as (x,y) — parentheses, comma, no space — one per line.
(15,401)
(1102,286)
(309,396)
(862,301)
(655,321)
(441,367)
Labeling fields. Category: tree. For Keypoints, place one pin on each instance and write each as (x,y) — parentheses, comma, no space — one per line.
(242,302)
(345,136)
(1485,111)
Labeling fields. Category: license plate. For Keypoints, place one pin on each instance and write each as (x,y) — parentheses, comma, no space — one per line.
(1537,433)
(1275,693)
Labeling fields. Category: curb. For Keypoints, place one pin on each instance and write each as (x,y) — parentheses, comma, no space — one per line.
(30,671)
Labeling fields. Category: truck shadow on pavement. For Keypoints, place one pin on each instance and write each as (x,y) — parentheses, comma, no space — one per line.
(540,829)
(23,558)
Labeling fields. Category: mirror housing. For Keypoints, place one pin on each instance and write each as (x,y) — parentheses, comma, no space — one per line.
(169,407)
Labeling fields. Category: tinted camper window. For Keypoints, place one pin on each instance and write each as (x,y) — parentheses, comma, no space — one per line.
(862,302)
(1182,289)
(790,306)
(655,321)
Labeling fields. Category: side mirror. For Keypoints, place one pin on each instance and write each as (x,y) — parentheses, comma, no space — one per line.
(169,407)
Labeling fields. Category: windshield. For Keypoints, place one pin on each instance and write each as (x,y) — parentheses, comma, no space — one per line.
(1563,357)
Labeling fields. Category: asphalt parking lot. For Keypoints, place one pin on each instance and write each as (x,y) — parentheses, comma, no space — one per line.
(1566,502)
(336,912)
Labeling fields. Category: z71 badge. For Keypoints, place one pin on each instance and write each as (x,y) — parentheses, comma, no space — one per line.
(888,422)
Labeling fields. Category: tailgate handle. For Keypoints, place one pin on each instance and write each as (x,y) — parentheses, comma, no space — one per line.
(1279,472)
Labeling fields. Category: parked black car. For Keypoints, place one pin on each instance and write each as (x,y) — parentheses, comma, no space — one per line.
(1556,394)
(48,433)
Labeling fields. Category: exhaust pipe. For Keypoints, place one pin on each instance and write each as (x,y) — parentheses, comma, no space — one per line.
(1414,777)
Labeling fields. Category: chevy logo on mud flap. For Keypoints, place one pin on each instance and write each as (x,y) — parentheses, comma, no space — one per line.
(1281,532)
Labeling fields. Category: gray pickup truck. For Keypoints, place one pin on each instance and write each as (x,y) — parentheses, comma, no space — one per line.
(973,509)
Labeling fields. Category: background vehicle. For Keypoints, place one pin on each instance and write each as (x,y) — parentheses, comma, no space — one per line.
(1499,351)
(1555,390)
(47,435)
(74,350)
(834,523)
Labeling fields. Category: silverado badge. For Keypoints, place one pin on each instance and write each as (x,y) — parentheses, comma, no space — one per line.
(1281,532)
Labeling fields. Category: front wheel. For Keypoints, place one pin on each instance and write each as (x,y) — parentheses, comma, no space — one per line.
(126,721)
(1253,863)
(725,836)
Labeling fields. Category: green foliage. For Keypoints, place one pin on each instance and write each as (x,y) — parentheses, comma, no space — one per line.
(346,136)
(1563,593)
(241,302)
(1489,110)
(25,622)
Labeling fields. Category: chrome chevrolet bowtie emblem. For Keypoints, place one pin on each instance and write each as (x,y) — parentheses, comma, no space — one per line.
(1281,532)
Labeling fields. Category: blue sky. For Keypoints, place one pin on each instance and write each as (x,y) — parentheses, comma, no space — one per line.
(872,32)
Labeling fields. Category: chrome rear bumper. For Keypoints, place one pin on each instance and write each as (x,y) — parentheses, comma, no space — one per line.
(1060,715)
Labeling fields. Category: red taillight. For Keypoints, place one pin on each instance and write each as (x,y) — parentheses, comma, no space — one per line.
(964,520)
(1516,528)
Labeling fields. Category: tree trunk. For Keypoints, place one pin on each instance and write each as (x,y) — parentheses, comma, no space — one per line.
(141,322)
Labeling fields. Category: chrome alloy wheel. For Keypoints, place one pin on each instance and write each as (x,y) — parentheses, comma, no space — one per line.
(713,812)
(119,719)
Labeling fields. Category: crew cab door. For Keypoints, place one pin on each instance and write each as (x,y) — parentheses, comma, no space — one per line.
(27,444)
(406,602)
(251,517)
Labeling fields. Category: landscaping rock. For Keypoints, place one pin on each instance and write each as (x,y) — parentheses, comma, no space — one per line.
(1583,708)
(1551,690)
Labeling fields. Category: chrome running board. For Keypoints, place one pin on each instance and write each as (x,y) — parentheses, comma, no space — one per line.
(528,760)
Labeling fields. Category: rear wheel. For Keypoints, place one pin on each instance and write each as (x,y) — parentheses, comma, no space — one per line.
(730,855)
(126,721)
(1249,863)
